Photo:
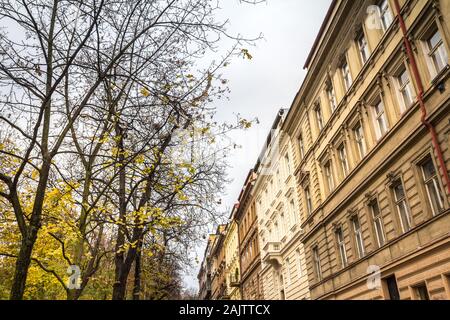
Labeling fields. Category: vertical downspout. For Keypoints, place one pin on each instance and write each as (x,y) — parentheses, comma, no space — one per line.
(419,84)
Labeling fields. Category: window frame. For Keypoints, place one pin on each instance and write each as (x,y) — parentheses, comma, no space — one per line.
(329,177)
(436,184)
(331,95)
(316,262)
(358,236)
(346,75)
(404,201)
(343,160)
(360,141)
(301,146)
(401,87)
(437,49)
(377,220)
(383,12)
(320,121)
(364,51)
(377,115)
(308,202)
(340,242)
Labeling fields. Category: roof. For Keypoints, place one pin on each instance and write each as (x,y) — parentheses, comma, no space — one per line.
(319,35)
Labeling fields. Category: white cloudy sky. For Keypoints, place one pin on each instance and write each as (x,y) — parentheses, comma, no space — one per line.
(260,87)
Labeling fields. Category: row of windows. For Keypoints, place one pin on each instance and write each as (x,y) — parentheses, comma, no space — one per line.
(282,278)
(379,124)
(282,223)
(434,194)
(436,57)
(247,221)
(249,252)
(275,184)
(436,52)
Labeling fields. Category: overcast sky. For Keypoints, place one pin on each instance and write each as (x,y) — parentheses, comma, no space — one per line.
(268,82)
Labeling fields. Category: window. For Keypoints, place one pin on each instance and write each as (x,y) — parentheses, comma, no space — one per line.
(288,271)
(329,175)
(359,139)
(316,260)
(378,223)
(345,69)
(421,292)
(278,178)
(292,209)
(358,236)
(405,91)
(299,263)
(381,123)
(385,15)
(309,206)
(319,116)
(301,146)
(363,48)
(341,246)
(391,283)
(281,286)
(331,96)
(437,52)
(343,159)
(288,165)
(402,207)
(432,187)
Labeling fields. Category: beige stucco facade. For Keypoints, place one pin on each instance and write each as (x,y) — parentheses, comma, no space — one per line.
(352,195)
(232,267)
(378,226)
(283,269)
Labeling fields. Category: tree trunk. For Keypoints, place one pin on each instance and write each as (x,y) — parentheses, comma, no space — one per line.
(26,247)
(22,264)
(137,274)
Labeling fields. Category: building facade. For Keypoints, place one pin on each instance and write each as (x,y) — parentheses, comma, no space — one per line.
(350,199)
(218,280)
(371,124)
(249,253)
(283,271)
(232,265)
(204,275)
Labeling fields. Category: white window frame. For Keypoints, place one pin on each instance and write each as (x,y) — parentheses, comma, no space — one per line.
(401,202)
(359,239)
(438,50)
(378,221)
(363,48)
(404,88)
(346,75)
(319,116)
(380,119)
(358,133)
(301,144)
(386,17)
(309,204)
(328,170)
(340,240)
(316,263)
(331,97)
(343,159)
(432,182)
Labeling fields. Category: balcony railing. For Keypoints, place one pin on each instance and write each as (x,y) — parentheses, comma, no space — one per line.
(234,281)
(272,247)
(272,253)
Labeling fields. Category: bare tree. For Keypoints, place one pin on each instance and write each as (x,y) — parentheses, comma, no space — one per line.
(95,92)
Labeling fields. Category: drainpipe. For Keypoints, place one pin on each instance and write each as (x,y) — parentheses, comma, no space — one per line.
(419,84)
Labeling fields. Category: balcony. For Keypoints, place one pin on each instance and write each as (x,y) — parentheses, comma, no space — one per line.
(234,281)
(272,254)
